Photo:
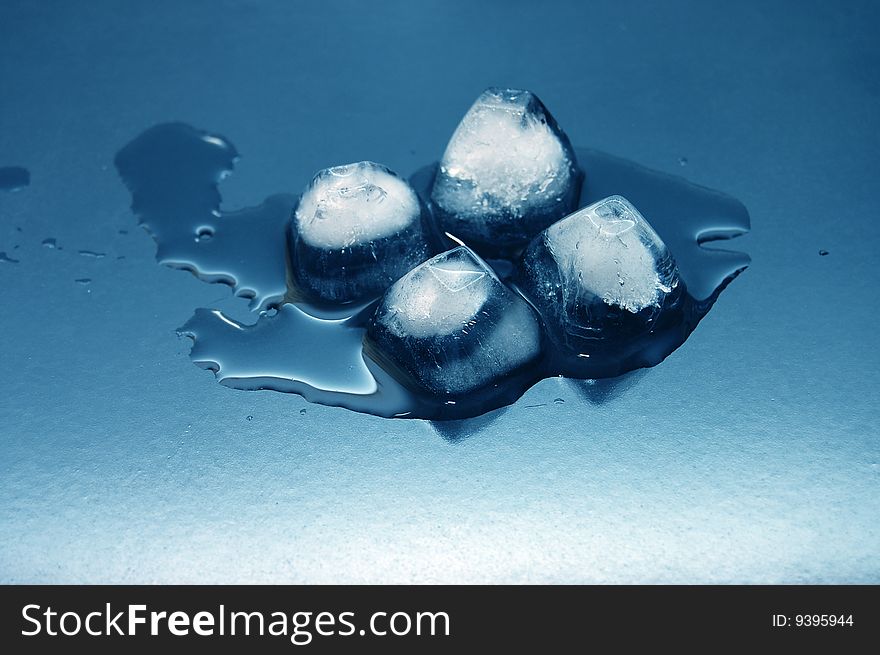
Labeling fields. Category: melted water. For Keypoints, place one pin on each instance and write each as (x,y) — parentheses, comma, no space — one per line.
(173,172)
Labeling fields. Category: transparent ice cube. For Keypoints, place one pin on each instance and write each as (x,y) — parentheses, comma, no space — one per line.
(452,327)
(356,229)
(600,275)
(508,172)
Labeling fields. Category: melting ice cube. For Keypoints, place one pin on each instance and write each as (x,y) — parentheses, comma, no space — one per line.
(508,172)
(357,228)
(451,327)
(599,275)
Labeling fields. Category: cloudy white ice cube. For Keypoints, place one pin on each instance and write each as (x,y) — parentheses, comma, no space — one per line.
(508,172)
(450,326)
(356,229)
(600,275)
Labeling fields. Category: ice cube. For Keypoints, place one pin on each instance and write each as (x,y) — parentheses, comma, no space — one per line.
(357,228)
(508,172)
(599,276)
(451,327)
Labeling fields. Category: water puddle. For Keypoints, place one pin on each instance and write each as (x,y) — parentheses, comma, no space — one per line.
(173,172)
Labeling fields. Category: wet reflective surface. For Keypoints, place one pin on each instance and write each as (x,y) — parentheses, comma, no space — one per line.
(749,455)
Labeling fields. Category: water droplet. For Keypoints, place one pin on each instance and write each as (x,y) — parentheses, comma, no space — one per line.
(92,254)
(559,401)
(823,253)
(50,243)
(204,234)
(14,178)
(302,412)
(6,258)
(249,417)
(84,281)
(682,161)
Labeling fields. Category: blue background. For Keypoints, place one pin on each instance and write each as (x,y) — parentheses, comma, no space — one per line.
(749,455)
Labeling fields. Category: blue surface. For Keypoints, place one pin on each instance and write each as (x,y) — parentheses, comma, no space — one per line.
(749,455)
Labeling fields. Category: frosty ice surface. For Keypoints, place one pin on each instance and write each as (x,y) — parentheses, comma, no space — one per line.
(357,228)
(451,327)
(508,172)
(599,275)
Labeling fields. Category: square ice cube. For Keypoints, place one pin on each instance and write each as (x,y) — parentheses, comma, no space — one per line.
(600,275)
(356,229)
(450,326)
(508,172)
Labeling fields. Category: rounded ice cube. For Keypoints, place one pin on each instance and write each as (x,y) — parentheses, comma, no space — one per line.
(600,278)
(451,327)
(508,172)
(356,229)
